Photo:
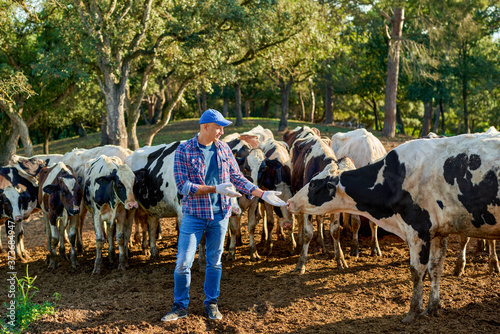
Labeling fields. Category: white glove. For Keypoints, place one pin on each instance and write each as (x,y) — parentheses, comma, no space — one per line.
(272,198)
(226,189)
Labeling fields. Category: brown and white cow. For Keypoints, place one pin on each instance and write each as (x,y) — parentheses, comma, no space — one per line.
(421,191)
(60,196)
(310,155)
(363,148)
(108,194)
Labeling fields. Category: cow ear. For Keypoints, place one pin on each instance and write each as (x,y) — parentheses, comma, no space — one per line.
(332,186)
(102,179)
(273,163)
(240,161)
(51,188)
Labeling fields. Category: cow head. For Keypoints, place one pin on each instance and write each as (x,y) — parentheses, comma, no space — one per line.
(65,189)
(124,181)
(12,203)
(29,166)
(255,166)
(272,174)
(322,194)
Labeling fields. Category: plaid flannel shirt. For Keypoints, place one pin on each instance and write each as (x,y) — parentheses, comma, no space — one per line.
(189,173)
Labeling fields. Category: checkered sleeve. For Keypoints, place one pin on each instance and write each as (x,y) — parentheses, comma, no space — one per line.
(181,172)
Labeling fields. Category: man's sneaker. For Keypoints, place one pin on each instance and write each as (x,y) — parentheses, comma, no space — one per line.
(212,311)
(176,313)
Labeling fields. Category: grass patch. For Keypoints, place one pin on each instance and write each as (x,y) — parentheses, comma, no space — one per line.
(25,310)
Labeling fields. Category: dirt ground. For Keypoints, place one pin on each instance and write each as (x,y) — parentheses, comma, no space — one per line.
(371,296)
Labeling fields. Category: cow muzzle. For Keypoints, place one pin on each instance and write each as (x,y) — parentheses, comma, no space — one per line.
(131,205)
(17,219)
(287,225)
(74,211)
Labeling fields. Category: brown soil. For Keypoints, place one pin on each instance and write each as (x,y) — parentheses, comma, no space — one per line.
(371,296)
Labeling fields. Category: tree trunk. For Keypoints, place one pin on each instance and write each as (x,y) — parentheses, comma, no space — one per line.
(21,128)
(265,109)
(313,103)
(329,102)
(459,126)
(399,120)
(247,108)
(426,123)
(302,108)
(225,106)
(375,113)
(167,115)
(237,104)
(115,103)
(285,88)
(8,142)
(436,118)
(104,129)
(203,100)
(391,88)
(466,111)
(442,117)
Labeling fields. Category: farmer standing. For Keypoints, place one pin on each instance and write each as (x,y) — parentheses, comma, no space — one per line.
(205,171)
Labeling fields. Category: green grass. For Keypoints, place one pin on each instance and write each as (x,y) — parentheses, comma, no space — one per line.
(26,311)
(186,129)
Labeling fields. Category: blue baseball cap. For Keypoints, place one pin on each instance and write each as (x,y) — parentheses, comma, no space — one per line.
(213,116)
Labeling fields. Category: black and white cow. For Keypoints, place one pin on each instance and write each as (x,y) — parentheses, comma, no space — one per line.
(155,188)
(421,191)
(60,196)
(107,195)
(363,148)
(19,187)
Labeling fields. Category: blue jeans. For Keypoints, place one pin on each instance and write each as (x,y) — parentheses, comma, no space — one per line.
(190,233)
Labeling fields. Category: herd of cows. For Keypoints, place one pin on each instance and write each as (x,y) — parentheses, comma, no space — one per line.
(421,191)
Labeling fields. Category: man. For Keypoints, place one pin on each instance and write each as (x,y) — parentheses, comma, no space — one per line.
(205,171)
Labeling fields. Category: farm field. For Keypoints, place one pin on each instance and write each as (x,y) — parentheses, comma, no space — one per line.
(371,296)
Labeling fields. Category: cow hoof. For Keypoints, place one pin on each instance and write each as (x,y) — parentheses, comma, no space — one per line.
(342,265)
(376,252)
(432,311)
(255,257)
(96,271)
(79,249)
(458,271)
(409,318)
(355,253)
(75,264)
(230,256)
(122,267)
(64,256)
(300,269)
(52,265)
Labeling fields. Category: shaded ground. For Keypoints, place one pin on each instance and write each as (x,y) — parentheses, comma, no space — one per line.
(370,296)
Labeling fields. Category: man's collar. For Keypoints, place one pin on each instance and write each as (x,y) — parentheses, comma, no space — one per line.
(197,143)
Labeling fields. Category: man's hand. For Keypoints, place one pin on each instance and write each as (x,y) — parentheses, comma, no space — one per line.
(226,189)
(272,198)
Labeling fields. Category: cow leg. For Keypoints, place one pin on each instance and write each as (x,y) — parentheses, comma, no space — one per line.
(374,241)
(129,222)
(307,234)
(461,260)
(121,234)
(145,238)
(99,242)
(436,262)
(152,227)
(265,227)
(252,223)
(493,260)
(321,238)
(234,225)
(79,228)
(480,245)
(54,241)
(355,224)
(335,230)
(417,270)
(72,227)
(268,249)
(62,234)
(110,231)
(21,255)
(1,247)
